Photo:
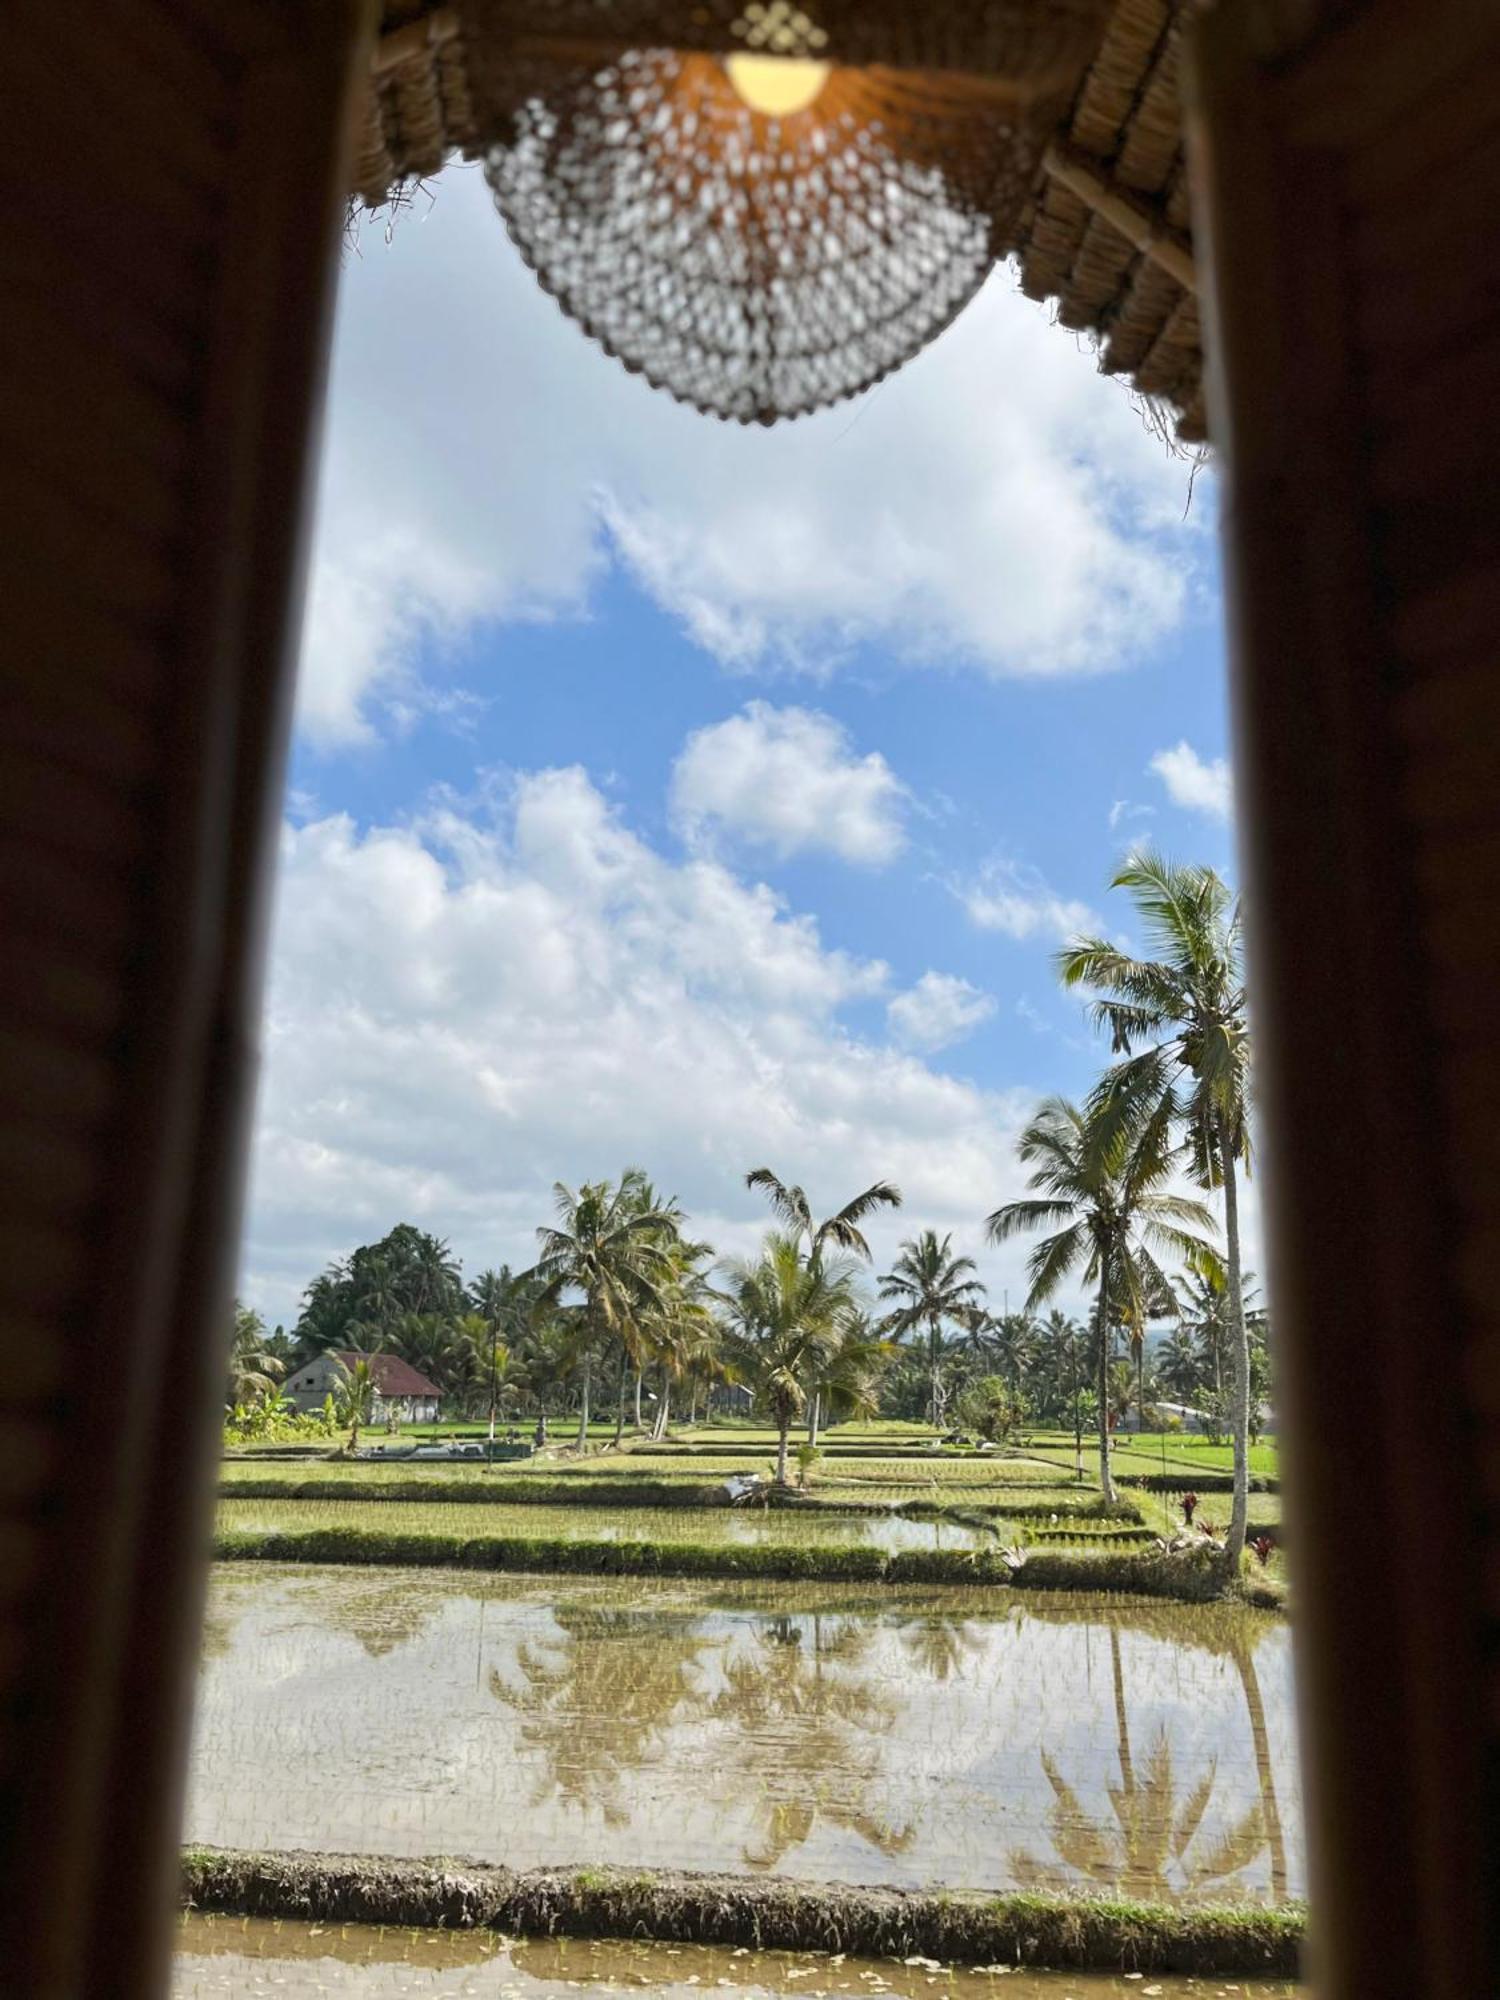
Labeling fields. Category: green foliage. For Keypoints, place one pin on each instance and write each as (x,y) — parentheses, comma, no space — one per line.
(362,1300)
(991,1409)
(270,1421)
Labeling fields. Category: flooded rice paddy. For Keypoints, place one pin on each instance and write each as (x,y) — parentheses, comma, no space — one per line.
(713,1527)
(942,1739)
(229,1958)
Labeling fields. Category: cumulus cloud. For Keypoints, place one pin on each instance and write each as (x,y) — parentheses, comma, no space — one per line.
(1196,783)
(938,1010)
(789,779)
(1016,901)
(996,504)
(503,993)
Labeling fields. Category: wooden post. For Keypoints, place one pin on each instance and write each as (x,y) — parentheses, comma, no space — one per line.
(164,375)
(1322,165)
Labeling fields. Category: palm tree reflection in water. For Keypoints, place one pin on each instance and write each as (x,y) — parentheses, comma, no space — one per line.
(809,1727)
(1150,1847)
(598,1700)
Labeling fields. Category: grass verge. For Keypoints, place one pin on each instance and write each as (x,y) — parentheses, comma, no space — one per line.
(1193,1576)
(1061,1931)
(560,1556)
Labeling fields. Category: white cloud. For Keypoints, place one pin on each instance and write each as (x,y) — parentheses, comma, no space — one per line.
(788,779)
(995,504)
(938,1010)
(465,1008)
(1197,784)
(1017,902)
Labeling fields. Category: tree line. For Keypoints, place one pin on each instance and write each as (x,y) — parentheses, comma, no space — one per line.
(623,1309)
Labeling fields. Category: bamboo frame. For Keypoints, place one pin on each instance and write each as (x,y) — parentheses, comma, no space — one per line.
(1143,229)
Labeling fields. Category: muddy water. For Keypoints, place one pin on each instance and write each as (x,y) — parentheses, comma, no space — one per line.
(225,1958)
(731,1527)
(954,1739)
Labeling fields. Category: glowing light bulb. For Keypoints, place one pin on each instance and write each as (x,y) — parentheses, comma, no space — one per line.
(776,86)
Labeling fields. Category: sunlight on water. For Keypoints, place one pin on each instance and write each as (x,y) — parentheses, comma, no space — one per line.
(942,1739)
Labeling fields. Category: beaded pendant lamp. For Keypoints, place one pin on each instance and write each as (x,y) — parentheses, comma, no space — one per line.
(765,207)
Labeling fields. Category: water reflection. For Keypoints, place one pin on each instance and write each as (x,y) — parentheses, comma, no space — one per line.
(595,1697)
(228,1958)
(946,1738)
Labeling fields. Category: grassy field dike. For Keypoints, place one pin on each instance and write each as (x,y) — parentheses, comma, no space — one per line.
(1065,1932)
(1196,1576)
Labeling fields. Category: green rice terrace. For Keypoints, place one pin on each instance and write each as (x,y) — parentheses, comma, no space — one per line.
(783,1623)
(828,1717)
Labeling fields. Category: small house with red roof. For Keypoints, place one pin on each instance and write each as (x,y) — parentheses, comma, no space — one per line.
(402,1394)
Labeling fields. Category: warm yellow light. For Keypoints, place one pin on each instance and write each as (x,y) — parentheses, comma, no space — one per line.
(776,86)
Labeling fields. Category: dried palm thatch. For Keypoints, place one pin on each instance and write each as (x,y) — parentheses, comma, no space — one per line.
(761,259)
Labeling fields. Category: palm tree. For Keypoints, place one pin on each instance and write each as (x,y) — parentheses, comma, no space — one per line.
(1179,1022)
(787,1318)
(679,1331)
(936,1290)
(848,1384)
(356,1399)
(1179,1365)
(1013,1340)
(254,1372)
(612,1245)
(1102,1180)
(793,1210)
(1064,1346)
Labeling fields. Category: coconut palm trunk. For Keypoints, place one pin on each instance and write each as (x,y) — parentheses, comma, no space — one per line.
(583,1409)
(1239,1513)
(1106,1475)
(638,1423)
(620,1394)
(663,1407)
(785,1428)
(814,1416)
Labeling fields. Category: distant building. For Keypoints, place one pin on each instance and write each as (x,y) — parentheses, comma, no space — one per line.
(400,1391)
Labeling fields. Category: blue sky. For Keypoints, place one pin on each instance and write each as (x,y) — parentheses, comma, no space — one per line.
(672,794)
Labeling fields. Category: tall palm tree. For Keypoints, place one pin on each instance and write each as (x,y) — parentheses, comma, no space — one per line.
(679,1331)
(841,1229)
(609,1244)
(936,1290)
(1100,1185)
(1178,1021)
(786,1320)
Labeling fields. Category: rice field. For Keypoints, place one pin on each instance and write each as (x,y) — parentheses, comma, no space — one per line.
(925,1739)
(231,1958)
(714,1527)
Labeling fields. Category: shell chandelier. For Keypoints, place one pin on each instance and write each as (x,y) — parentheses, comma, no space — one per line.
(760,224)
